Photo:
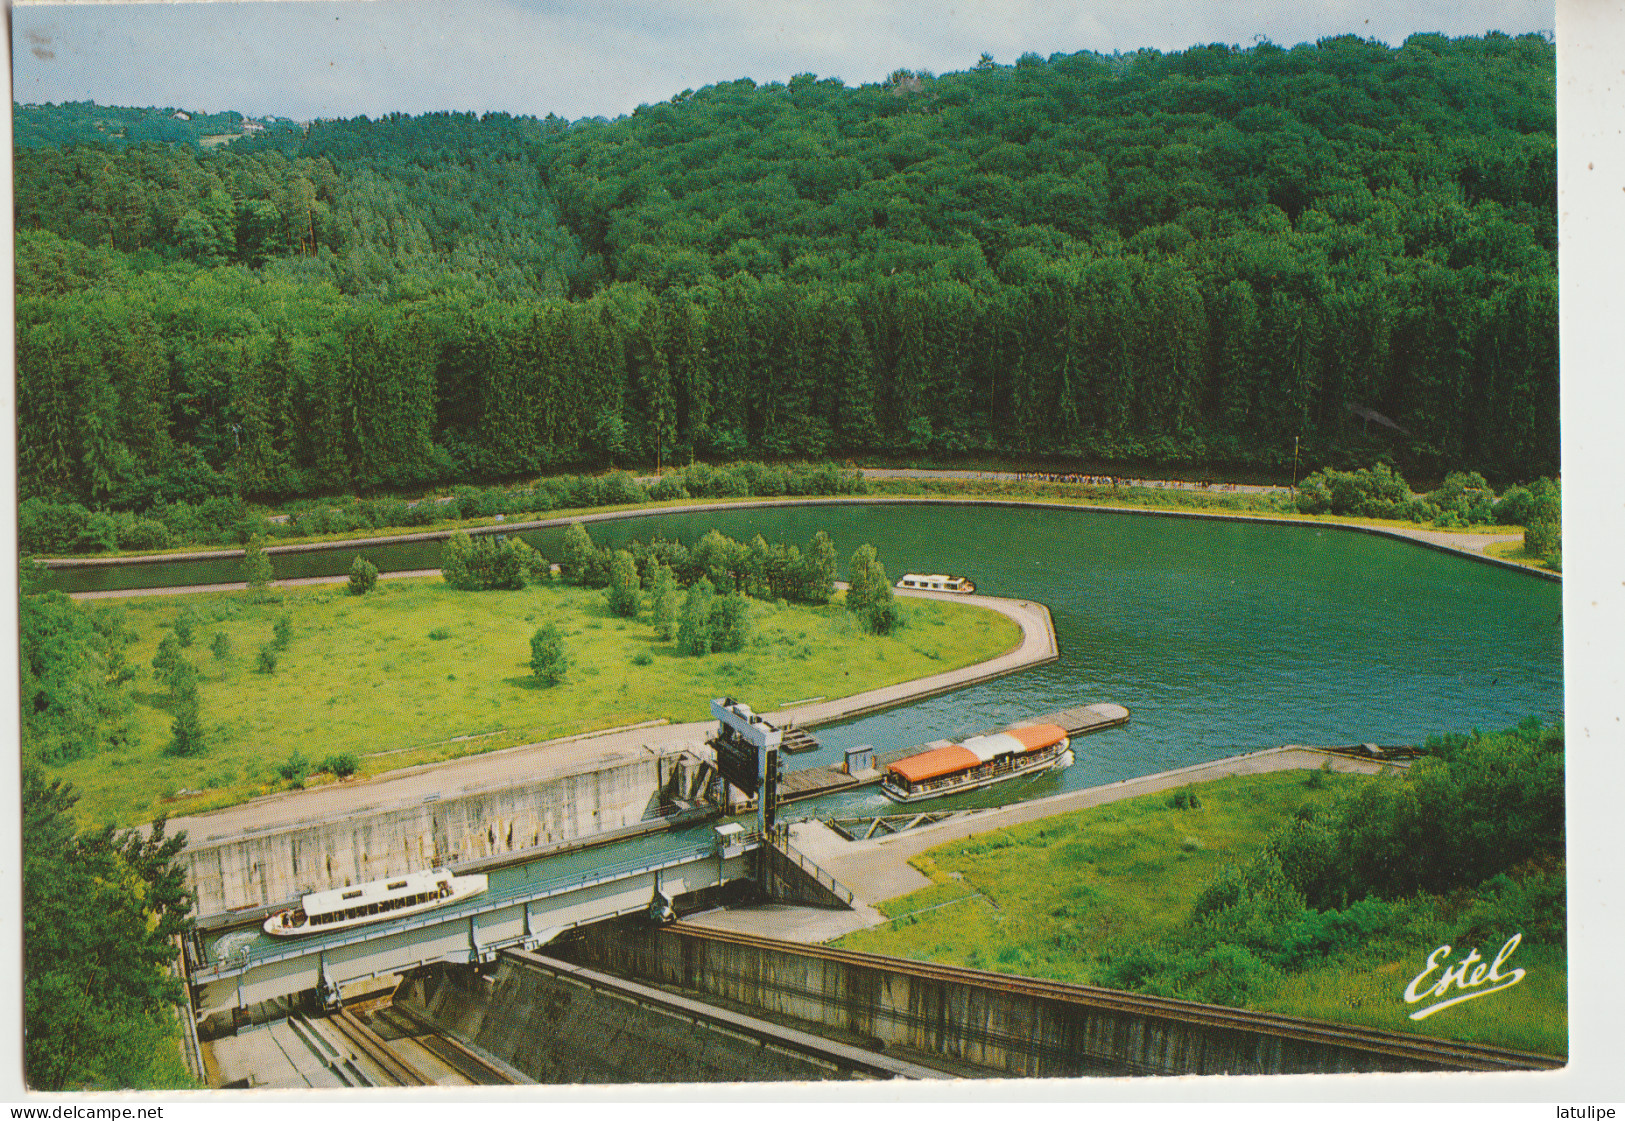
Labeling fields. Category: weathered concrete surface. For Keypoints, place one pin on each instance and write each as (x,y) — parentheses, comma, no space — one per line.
(559,1028)
(232,871)
(1004,1026)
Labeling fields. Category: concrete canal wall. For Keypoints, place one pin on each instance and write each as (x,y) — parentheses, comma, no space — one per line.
(259,868)
(995,1025)
(563,1025)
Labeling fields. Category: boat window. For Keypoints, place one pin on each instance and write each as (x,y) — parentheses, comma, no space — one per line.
(397,885)
(352,895)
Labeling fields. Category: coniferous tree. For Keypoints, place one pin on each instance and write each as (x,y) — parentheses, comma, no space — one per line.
(694,631)
(663,602)
(623,591)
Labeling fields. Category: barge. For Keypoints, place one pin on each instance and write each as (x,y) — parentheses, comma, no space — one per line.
(322,912)
(977,762)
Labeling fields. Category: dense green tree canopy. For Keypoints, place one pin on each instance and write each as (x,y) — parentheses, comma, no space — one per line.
(1184,258)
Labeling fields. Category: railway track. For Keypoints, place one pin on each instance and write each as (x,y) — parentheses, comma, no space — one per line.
(452,1052)
(378,1052)
(1422,1051)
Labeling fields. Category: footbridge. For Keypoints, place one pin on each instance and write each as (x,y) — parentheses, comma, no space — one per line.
(523,916)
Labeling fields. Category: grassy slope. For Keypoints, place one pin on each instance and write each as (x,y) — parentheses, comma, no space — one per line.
(1039,899)
(362,675)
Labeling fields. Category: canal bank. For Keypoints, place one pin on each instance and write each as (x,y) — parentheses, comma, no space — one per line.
(473,810)
(1468,545)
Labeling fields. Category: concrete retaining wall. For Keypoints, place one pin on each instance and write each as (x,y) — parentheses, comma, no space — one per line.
(980,1025)
(275,866)
(557,1029)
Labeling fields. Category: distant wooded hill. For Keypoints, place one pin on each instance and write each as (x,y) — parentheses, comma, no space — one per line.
(1181,259)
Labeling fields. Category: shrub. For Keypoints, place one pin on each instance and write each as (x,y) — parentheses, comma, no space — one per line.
(667,488)
(642,658)
(363,576)
(341,766)
(220,646)
(1374,492)
(143,535)
(256,567)
(185,626)
(266,662)
(99,535)
(439,634)
(44,526)
(547,659)
(282,631)
(294,769)
(1467,495)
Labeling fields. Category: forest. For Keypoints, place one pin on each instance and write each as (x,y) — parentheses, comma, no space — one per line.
(1189,260)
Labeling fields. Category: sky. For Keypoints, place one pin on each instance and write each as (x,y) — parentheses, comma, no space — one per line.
(583,58)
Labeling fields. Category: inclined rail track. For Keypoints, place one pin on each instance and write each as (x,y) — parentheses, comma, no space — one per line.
(452,1051)
(377,1051)
(1416,1049)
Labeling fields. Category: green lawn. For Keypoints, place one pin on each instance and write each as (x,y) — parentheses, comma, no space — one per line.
(1043,899)
(417,672)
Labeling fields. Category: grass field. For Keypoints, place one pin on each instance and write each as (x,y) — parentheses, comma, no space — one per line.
(1515,552)
(1044,899)
(416,672)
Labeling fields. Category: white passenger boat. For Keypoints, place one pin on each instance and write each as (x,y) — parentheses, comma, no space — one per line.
(322,912)
(978,762)
(937,583)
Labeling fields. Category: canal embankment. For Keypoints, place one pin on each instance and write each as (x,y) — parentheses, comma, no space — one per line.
(1471,545)
(472,811)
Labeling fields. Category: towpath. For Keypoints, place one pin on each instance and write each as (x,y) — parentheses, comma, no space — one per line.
(531,762)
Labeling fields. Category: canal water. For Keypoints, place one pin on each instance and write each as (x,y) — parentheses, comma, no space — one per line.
(1220,637)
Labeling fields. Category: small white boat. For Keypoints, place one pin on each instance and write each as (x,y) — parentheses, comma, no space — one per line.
(322,912)
(937,583)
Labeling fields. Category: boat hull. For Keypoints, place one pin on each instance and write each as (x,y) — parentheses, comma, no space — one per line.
(1056,762)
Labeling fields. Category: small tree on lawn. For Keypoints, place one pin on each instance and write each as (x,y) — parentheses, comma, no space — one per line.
(188,725)
(185,626)
(576,551)
(819,565)
(220,646)
(256,566)
(663,602)
(623,592)
(282,632)
(363,576)
(547,660)
(454,562)
(869,593)
(266,662)
(730,623)
(860,580)
(694,632)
